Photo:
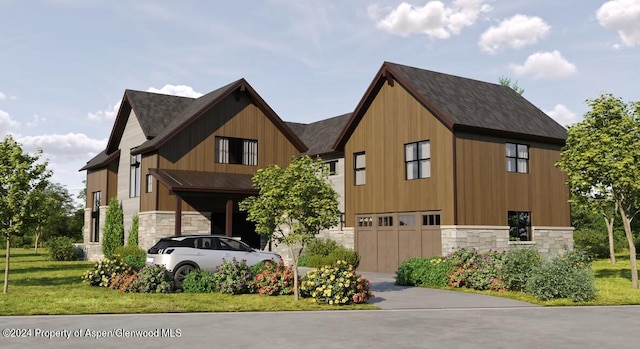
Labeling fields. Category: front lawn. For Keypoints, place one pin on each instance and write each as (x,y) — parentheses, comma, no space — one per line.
(41,286)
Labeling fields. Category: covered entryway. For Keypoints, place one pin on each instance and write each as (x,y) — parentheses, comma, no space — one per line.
(384,240)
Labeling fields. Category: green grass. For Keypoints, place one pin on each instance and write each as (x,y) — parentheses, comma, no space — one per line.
(41,286)
(613,282)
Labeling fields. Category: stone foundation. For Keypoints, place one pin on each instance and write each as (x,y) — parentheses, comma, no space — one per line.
(154,225)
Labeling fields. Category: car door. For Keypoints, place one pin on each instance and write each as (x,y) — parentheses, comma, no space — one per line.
(238,250)
(208,256)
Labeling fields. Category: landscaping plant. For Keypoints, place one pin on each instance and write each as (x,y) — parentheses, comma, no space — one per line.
(337,284)
(154,279)
(567,276)
(428,272)
(104,270)
(134,256)
(199,281)
(275,279)
(61,249)
(233,277)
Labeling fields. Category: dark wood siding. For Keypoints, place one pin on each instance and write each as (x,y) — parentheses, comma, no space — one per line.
(148,201)
(104,180)
(393,119)
(486,191)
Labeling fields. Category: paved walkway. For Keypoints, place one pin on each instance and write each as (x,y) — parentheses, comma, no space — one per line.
(392,297)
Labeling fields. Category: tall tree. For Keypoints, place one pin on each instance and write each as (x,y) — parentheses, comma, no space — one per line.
(505,81)
(602,160)
(295,203)
(52,213)
(113,235)
(22,176)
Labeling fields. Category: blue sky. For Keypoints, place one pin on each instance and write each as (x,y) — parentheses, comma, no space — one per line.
(64,64)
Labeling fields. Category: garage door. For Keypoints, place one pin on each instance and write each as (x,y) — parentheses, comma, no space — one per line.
(384,240)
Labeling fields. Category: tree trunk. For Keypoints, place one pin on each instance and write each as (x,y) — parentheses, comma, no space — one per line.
(35,246)
(295,274)
(6,267)
(626,222)
(609,223)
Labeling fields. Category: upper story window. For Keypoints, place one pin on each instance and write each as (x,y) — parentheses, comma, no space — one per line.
(332,167)
(359,168)
(134,176)
(236,151)
(517,157)
(417,158)
(149,187)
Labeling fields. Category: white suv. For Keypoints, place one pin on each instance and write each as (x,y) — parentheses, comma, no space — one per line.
(183,254)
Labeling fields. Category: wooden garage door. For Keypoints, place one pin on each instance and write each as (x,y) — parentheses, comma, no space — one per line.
(385,240)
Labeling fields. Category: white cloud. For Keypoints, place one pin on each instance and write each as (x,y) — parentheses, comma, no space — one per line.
(624,17)
(59,147)
(515,32)
(7,123)
(562,115)
(175,90)
(545,65)
(37,119)
(2,96)
(434,19)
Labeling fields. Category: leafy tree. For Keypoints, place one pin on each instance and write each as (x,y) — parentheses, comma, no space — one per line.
(113,235)
(52,212)
(295,203)
(132,240)
(505,81)
(21,176)
(602,160)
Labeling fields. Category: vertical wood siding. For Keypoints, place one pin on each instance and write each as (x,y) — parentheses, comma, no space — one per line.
(393,119)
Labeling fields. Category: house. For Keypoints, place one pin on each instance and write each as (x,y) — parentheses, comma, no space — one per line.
(426,163)
(183,164)
(438,162)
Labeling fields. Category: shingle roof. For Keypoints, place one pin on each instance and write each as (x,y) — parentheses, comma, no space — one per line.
(156,111)
(321,135)
(464,104)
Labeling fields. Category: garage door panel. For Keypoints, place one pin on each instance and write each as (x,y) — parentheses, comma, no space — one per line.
(367,247)
(409,245)
(387,251)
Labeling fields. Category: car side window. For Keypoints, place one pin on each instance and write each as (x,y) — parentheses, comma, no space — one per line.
(233,245)
(187,243)
(207,243)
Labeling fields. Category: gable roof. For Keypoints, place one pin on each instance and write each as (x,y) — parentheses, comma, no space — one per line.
(320,135)
(163,116)
(463,104)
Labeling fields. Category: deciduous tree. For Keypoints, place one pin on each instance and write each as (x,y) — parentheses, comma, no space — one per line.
(602,160)
(21,176)
(505,81)
(295,203)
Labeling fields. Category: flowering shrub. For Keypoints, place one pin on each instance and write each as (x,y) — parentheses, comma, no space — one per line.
(198,281)
(232,277)
(125,282)
(476,270)
(274,279)
(423,271)
(337,284)
(517,266)
(104,270)
(154,279)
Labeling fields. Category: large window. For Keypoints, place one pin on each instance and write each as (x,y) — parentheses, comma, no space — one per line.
(236,151)
(517,157)
(134,177)
(95,217)
(359,168)
(519,226)
(417,158)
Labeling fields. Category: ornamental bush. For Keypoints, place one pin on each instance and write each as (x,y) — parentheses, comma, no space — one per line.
(132,240)
(199,281)
(233,277)
(320,247)
(62,249)
(125,282)
(104,270)
(134,256)
(430,272)
(337,284)
(480,271)
(113,235)
(517,266)
(155,279)
(274,279)
(566,276)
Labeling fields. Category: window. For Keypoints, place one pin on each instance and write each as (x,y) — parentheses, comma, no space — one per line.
(407,220)
(517,158)
(365,221)
(331,165)
(432,219)
(359,163)
(236,151)
(134,177)
(385,221)
(519,226)
(417,158)
(149,187)
(95,217)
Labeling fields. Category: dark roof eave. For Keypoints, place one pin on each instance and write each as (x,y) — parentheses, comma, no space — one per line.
(214,190)
(507,134)
(106,161)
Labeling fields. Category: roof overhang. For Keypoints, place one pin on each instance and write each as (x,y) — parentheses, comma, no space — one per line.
(181,181)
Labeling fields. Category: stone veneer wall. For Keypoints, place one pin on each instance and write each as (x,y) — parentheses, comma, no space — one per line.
(547,240)
(92,251)
(344,236)
(154,225)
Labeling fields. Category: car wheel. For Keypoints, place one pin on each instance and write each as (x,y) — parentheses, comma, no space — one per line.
(181,273)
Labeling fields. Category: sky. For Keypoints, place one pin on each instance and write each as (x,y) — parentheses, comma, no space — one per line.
(65,64)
